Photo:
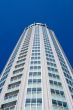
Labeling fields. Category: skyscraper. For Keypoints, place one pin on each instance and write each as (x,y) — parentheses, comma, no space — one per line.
(37,75)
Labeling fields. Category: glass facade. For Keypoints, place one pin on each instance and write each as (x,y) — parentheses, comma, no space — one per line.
(34,89)
(23,80)
(57,92)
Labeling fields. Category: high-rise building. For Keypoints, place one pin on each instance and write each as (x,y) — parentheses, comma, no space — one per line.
(38,75)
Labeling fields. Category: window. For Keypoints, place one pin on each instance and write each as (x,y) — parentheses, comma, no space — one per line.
(55,83)
(59,103)
(57,92)
(13,85)
(54,75)
(38,100)
(34,90)
(51,64)
(22,60)
(34,58)
(9,106)
(18,70)
(35,54)
(5,73)
(34,73)
(52,91)
(11,95)
(22,57)
(22,53)
(3,78)
(50,59)
(36,50)
(20,65)
(16,77)
(1,84)
(35,62)
(35,67)
(52,69)
(34,81)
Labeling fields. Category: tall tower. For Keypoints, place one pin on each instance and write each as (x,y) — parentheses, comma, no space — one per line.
(37,75)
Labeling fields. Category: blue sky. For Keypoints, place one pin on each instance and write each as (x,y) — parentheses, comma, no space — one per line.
(15,15)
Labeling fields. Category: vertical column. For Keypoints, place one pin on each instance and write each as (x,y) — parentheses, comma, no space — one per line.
(23,89)
(7,82)
(63,55)
(34,87)
(63,81)
(47,105)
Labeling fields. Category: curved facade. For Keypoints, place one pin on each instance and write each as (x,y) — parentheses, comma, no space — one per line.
(37,75)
